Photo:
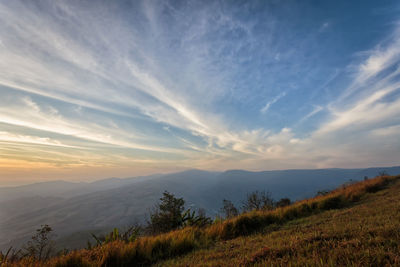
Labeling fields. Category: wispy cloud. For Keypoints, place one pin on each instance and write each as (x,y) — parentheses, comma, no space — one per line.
(316,109)
(324,26)
(169,85)
(265,108)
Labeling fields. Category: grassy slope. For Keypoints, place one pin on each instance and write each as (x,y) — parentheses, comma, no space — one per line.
(358,225)
(365,234)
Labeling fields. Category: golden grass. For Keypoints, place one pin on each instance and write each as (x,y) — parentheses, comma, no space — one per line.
(364,234)
(151,249)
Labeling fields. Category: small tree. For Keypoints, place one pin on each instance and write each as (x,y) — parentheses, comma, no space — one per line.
(283,202)
(228,209)
(258,201)
(167,215)
(41,246)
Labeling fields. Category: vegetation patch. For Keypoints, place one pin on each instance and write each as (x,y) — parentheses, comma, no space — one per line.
(148,250)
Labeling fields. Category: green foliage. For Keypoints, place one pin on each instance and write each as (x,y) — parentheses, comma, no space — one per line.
(190,218)
(129,235)
(167,215)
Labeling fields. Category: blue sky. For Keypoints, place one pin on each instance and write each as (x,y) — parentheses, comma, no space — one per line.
(93,89)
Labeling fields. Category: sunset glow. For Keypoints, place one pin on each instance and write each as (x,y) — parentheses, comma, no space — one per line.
(96,89)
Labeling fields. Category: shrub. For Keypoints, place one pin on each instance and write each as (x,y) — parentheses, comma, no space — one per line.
(129,235)
(283,202)
(190,218)
(258,201)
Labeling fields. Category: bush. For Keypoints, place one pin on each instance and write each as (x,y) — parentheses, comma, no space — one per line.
(283,202)
(332,202)
(258,201)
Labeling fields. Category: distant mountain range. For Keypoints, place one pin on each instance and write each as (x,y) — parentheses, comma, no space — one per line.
(76,209)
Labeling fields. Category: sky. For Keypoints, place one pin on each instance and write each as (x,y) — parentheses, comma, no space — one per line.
(97,89)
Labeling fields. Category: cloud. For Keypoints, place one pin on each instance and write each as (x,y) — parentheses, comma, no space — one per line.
(379,60)
(316,110)
(265,108)
(161,84)
(324,26)
(15,138)
(375,66)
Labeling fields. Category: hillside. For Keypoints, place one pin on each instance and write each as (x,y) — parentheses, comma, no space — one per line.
(76,209)
(365,234)
(353,225)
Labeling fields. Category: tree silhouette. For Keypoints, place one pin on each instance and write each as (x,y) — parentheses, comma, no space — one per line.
(258,201)
(41,245)
(167,215)
(228,209)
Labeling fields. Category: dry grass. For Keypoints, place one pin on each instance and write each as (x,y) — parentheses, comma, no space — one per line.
(364,234)
(209,244)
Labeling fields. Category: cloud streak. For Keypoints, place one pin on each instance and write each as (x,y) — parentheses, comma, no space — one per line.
(265,108)
(132,87)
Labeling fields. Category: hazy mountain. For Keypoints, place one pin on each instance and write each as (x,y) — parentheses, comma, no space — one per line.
(66,189)
(73,208)
(53,188)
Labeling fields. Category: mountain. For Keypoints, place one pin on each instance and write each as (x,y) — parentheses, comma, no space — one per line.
(83,207)
(66,189)
(43,189)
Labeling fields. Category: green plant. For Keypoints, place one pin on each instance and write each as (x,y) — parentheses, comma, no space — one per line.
(129,235)
(190,218)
